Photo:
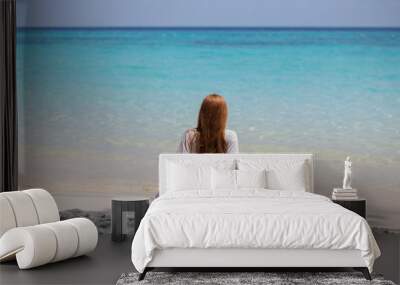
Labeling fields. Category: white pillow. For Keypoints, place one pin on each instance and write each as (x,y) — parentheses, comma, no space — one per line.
(281,174)
(288,176)
(224,179)
(188,177)
(292,179)
(251,178)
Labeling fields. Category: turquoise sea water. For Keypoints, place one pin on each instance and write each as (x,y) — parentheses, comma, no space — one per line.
(112,95)
(320,90)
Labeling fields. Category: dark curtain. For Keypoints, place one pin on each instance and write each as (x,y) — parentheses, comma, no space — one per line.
(8,100)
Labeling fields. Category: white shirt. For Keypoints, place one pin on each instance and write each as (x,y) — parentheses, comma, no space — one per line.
(187,137)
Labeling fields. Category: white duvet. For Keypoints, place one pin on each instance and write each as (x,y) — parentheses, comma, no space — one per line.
(250,218)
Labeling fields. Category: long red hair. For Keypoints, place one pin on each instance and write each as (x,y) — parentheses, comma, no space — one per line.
(211,125)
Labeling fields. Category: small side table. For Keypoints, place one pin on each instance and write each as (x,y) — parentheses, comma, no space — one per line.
(127,212)
(358,206)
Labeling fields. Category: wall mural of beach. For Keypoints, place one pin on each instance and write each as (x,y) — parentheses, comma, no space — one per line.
(99,105)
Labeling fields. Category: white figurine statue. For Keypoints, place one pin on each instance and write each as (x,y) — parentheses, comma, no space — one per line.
(347,174)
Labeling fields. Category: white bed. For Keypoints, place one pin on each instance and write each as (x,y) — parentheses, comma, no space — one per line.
(210,223)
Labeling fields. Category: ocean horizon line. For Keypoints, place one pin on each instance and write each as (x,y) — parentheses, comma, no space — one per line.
(243,28)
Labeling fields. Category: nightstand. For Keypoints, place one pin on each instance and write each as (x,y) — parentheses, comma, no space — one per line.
(358,206)
(127,212)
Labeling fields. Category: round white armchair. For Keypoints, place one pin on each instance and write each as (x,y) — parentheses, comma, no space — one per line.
(31,230)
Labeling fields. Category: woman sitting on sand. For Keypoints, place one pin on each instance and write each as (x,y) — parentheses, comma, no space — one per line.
(210,135)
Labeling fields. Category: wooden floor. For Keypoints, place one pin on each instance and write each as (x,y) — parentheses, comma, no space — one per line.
(103,266)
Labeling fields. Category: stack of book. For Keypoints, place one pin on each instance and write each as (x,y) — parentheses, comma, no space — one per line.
(344,194)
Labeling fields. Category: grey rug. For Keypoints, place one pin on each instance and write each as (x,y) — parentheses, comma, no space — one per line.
(269,278)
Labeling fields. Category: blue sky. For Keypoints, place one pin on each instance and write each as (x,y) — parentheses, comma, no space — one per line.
(282,13)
